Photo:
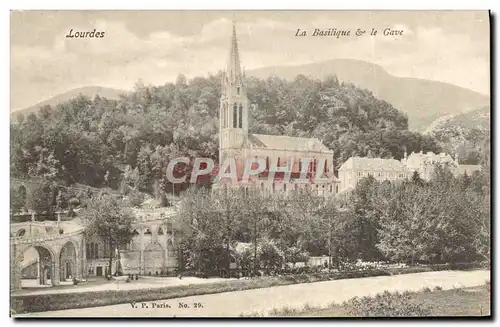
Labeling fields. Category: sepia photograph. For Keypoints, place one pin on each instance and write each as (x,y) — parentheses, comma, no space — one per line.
(250,164)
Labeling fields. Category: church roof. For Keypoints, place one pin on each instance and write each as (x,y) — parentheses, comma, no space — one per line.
(358,163)
(288,143)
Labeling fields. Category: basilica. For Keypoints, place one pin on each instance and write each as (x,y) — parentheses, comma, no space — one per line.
(279,151)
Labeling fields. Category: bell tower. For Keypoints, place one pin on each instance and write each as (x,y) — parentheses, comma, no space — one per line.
(233,110)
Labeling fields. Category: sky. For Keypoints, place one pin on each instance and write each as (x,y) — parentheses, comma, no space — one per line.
(156,46)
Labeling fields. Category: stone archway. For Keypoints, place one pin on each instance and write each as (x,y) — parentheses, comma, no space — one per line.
(153,259)
(37,267)
(68,261)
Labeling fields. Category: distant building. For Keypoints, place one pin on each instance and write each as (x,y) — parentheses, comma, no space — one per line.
(236,142)
(357,168)
(46,252)
(425,163)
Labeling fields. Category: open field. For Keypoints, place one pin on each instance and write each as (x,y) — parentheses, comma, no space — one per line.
(264,300)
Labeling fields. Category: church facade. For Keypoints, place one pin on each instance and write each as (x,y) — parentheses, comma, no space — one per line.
(278,151)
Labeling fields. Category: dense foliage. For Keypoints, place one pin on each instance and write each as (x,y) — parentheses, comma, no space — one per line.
(127,143)
(444,220)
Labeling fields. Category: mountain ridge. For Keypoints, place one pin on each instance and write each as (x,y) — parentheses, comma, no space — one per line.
(422,100)
(90,91)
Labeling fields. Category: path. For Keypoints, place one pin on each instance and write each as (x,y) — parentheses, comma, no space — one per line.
(293,296)
(142,283)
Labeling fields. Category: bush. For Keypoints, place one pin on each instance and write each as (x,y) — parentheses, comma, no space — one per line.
(74,202)
(135,198)
(385,305)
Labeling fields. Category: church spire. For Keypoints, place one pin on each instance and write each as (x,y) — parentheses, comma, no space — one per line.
(233,73)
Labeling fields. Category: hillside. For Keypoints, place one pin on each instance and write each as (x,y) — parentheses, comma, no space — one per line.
(476,119)
(88,91)
(423,101)
(467,134)
(114,144)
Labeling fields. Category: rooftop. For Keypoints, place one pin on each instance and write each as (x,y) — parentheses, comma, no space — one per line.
(359,163)
(290,143)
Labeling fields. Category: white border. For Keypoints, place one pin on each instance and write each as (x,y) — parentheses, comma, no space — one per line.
(187,4)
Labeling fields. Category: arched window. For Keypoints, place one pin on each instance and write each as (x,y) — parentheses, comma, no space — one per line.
(235,115)
(284,187)
(160,231)
(238,90)
(241,116)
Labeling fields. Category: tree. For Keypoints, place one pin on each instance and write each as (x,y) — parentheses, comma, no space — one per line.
(365,219)
(270,256)
(107,219)
(415,178)
(295,254)
(203,230)
(40,197)
(17,198)
(255,214)
(144,168)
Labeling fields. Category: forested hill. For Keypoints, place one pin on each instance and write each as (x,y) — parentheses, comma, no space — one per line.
(422,100)
(90,91)
(467,135)
(101,142)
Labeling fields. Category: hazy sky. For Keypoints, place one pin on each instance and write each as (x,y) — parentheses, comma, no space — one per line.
(156,46)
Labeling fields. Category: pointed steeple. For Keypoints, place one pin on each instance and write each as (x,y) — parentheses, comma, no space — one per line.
(233,72)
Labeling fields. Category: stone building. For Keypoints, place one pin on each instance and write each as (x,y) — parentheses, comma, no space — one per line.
(47,253)
(357,168)
(152,250)
(279,151)
(425,163)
